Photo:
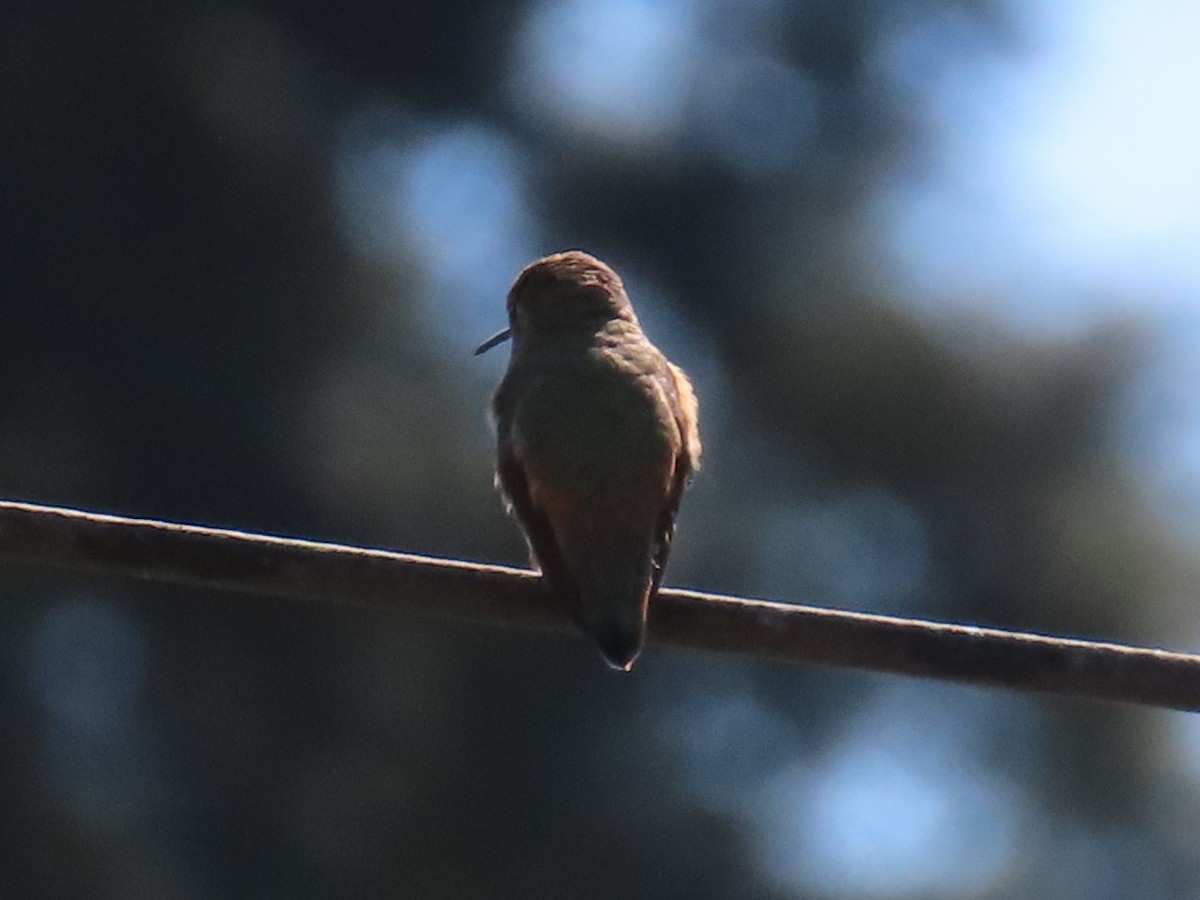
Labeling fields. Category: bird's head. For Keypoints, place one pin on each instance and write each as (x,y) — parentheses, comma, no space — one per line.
(563,292)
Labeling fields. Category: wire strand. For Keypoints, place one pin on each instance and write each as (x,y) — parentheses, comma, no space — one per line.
(296,569)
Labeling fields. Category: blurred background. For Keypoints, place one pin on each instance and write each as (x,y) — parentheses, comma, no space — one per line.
(932,266)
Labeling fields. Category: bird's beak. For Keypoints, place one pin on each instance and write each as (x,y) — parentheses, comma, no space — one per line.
(498,338)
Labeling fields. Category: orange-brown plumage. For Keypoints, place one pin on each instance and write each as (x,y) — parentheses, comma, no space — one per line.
(596,439)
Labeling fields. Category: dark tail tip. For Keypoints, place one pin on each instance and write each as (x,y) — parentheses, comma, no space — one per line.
(619,646)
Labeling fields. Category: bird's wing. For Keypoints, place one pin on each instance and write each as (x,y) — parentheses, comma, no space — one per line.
(513,481)
(682,401)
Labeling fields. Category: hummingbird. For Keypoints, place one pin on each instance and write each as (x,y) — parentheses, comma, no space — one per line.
(596,439)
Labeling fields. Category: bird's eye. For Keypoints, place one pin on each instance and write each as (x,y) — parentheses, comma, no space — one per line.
(521,311)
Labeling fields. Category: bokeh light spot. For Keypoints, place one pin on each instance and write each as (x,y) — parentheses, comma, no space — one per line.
(894,809)
(464,203)
(616,69)
(462,186)
(1065,180)
(452,202)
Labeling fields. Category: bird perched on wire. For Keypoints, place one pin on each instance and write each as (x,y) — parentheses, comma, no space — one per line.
(597,437)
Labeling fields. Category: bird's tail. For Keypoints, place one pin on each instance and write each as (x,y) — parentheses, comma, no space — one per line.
(613,578)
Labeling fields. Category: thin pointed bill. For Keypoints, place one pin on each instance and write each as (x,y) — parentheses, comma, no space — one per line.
(498,338)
